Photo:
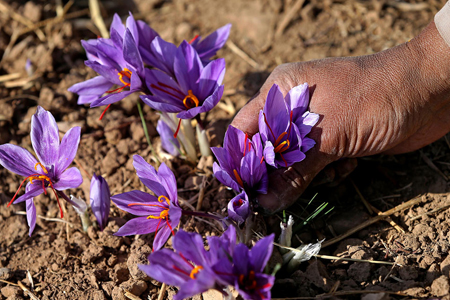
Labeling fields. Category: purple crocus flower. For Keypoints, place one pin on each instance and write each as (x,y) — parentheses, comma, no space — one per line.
(50,170)
(168,142)
(239,208)
(160,213)
(118,61)
(241,165)
(100,200)
(194,89)
(284,123)
(189,268)
(245,271)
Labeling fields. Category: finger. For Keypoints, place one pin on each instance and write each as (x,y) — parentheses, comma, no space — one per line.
(286,185)
(247,118)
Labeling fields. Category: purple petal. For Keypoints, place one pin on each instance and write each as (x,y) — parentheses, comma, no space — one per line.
(96,86)
(131,53)
(109,73)
(148,175)
(224,159)
(168,142)
(69,179)
(117,25)
(68,149)
(132,27)
(263,129)
(187,67)
(100,200)
(269,154)
(190,244)
(298,98)
(261,252)
(307,144)
(156,104)
(139,225)
(208,47)
(117,38)
(276,112)
(146,36)
(162,55)
(241,259)
(45,137)
(111,98)
(306,122)
(161,236)
(31,215)
(82,99)
(204,281)
(169,182)
(225,178)
(164,87)
(17,160)
(253,172)
(135,82)
(123,200)
(31,191)
(209,104)
(210,78)
(163,267)
(290,158)
(110,55)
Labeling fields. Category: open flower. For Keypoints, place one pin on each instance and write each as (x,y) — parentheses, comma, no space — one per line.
(247,268)
(208,47)
(118,61)
(168,142)
(100,200)
(241,162)
(239,208)
(190,267)
(50,170)
(193,90)
(284,123)
(160,213)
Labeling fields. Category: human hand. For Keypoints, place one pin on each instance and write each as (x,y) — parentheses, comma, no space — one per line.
(391,102)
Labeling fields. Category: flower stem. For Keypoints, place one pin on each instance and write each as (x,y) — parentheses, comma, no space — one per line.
(203,142)
(147,136)
(80,207)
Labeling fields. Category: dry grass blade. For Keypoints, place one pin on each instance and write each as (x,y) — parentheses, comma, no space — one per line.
(433,166)
(344,293)
(23,213)
(201,194)
(26,291)
(288,17)
(131,296)
(242,54)
(162,291)
(8,282)
(9,77)
(381,216)
(97,18)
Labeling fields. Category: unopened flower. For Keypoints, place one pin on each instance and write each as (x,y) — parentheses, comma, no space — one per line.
(190,268)
(160,213)
(169,143)
(208,47)
(193,90)
(284,123)
(118,61)
(50,170)
(239,208)
(100,200)
(241,162)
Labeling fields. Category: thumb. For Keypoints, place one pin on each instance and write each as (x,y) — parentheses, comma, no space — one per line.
(246,119)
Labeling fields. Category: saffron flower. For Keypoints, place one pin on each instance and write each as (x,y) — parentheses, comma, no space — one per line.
(161,53)
(194,89)
(239,208)
(241,162)
(160,213)
(118,62)
(190,267)
(284,123)
(169,143)
(100,200)
(245,271)
(50,171)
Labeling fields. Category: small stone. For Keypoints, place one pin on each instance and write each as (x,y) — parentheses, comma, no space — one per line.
(133,260)
(112,260)
(11,291)
(121,273)
(440,287)
(137,132)
(98,295)
(32,12)
(92,253)
(136,287)
(55,267)
(118,294)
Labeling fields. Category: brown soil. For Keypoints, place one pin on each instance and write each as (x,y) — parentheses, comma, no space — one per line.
(60,261)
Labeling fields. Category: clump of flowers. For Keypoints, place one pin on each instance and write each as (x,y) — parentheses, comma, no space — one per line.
(50,170)
(195,270)
(284,123)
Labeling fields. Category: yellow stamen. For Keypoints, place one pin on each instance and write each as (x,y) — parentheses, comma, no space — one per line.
(195,271)
(127,73)
(162,197)
(280,138)
(164,214)
(42,166)
(238,178)
(281,147)
(193,98)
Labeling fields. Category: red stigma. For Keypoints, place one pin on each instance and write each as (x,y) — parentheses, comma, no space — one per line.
(178,129)
(195,37)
